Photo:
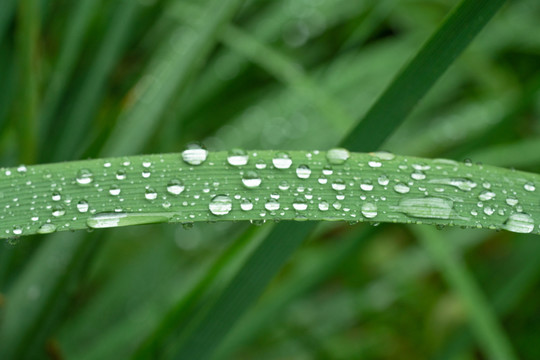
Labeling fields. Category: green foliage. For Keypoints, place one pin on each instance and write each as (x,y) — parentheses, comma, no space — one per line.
(98,78)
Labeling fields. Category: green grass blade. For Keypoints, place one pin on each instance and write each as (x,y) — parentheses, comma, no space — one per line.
(406,90)
(7,9)
(379,187)
(87,99)
(71,49)
(27,42)
(169,73)
(483,322)
(33,302)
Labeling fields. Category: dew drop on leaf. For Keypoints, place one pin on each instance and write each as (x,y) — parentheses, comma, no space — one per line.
(303,171)
(194,154)
(369,210)
(175,187)
(337,156)
(82,206)
(251,179)
(237,157)
(282,161)
(220,205)
(520,223)
(272,205)
(84,177)
(46,229)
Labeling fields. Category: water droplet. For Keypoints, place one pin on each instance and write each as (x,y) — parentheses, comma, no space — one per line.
(82,206)
(282,161)
(175,187)
(220,205)
(114,190)
(56,196)
(383,155)
(461,184)
(366,185)
(58,211)
(512,201)
(17,230)
(338,185)
(303,171)
(194,154)
(272,205)
(324,206)
(21,169)
(337,156)
(84,177)
(327,170)
(284,185)
(146,164)
(300,204)
(260,164)
(121,174)
(374,164)
(383,180)
(401,188)
(237,157)
(46,229)
(428,207)
(369,210)
(418,175)
(251,179)
(150,194)
(109,220)
(529,186)
(486,195)
(246,205)
(520,223)
(322,180)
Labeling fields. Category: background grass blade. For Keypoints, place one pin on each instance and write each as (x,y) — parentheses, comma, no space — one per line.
(400,100)
(168,75)
(428,65)
(27,42)
(483,321)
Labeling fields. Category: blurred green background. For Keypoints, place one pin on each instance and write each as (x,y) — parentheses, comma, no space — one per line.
(280,74)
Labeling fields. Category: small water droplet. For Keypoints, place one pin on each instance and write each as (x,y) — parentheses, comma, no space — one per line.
(284,185)
(383,180)
(272,205)
(327,170)
(150,194)
(220,205)
(323,205)
(461,184)
(175,187)
(520,223)
(418,175)
(82,206)
(512,201)
(338,185)
(383,155)
(369,210)
(21,169)
(121,174)
(56,196)
(260,164)
(303,171)
(300,204)
(84,177)
(366,185)
(246,205)
(486,195)
(17,230)
(374,164)
(251,179)
(282,161)
(401,188)
(58,211)
(194,154)
(529,186)
(114,190)
(237,157)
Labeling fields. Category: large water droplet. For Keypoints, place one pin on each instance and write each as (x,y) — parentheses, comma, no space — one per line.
(338,185)
(282,161)
(220,205)
(520,223)
(46,229)
(56,196)
(251,179)
(337,156)
(84,177)
(303,171)
(109,220)
(175,187)
(194,154)
(121,174)
(246,205)
(428,207)
(58,211)
(529,186)
(461,184)
(17,230)
(237,157)
(324,206)
(486,195)
(114,190)
(369,210)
